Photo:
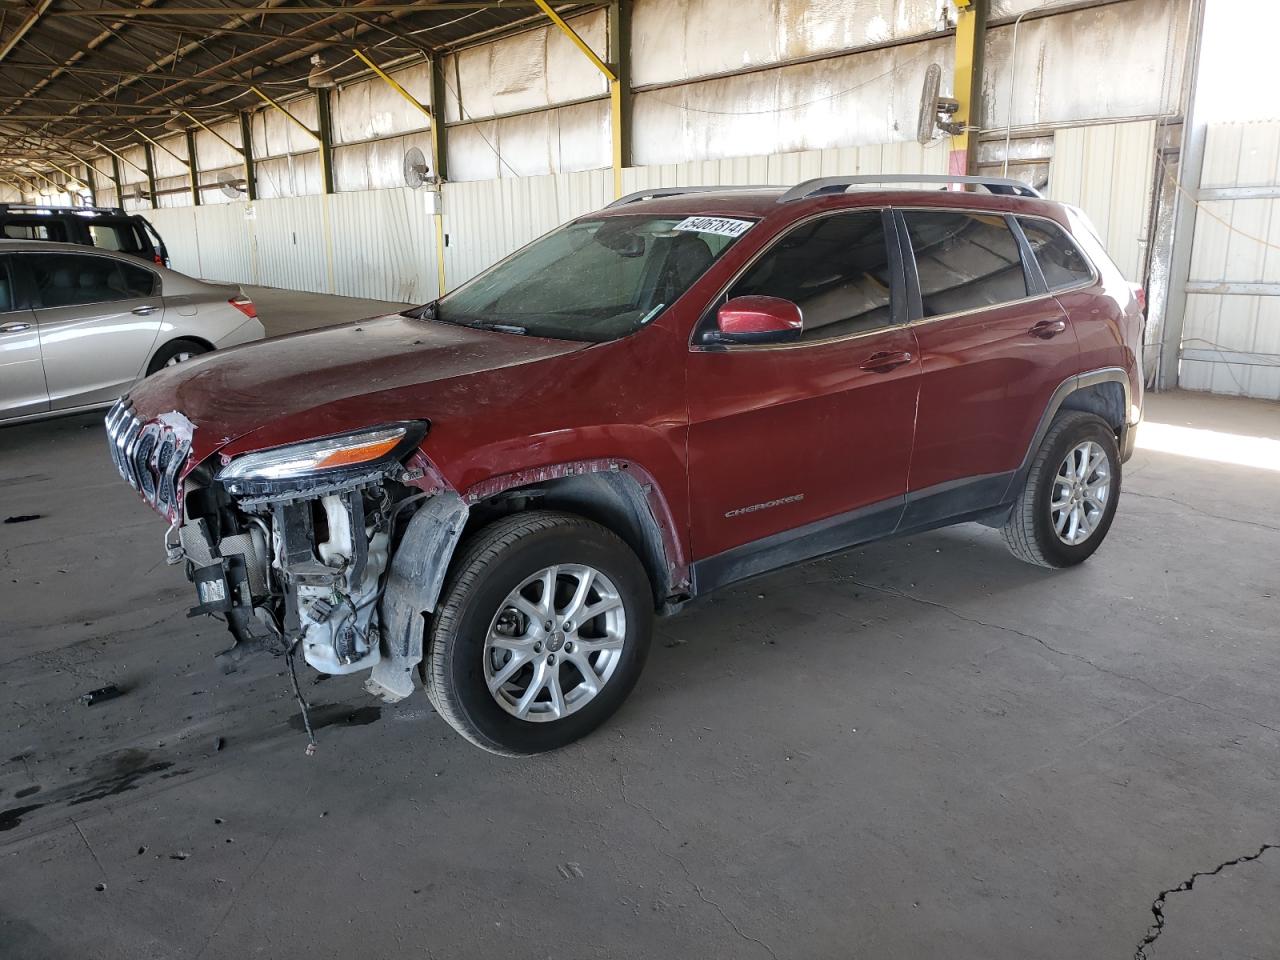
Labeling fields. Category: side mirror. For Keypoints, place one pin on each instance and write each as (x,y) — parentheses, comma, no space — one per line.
(758,320)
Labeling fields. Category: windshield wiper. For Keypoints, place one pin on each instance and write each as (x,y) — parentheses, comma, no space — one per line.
(503,328)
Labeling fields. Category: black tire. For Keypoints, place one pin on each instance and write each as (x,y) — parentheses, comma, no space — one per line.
(1029,531)
(493,563)
(172,349)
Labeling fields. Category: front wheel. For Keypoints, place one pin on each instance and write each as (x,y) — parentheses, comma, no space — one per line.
(540,634)
(1069,500)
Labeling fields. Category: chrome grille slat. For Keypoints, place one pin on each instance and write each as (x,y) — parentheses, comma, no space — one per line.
(149,456)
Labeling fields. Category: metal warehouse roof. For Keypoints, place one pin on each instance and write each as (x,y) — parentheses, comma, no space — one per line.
(72,71)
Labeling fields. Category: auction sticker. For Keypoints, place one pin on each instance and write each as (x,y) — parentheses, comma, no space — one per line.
(721,226)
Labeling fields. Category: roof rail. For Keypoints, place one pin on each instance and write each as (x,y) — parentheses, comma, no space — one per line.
(53,208)
(821,185)
(656,192)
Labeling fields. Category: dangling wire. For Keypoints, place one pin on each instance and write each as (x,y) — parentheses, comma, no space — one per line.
(302,703)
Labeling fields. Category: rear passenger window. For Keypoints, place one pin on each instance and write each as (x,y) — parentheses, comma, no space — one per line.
(836,270)
(64,280)
(965,261)
(116,236)
(1061,261)
(6,287)
(35,228)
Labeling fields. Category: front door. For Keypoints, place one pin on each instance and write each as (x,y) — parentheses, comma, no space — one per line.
(99,317)
(803,448)
(22,389)
(994,344)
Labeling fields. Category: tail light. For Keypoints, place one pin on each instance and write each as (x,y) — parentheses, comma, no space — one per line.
(159,260)
(1140,294)
(245,306)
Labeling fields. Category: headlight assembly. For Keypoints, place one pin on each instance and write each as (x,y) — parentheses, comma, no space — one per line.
(329,458)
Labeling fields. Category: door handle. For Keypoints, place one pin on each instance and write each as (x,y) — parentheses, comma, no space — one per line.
(885,361)
(14,327)
(1048,329)
(144,311)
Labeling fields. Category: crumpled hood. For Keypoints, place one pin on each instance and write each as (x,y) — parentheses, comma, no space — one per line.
(316,383)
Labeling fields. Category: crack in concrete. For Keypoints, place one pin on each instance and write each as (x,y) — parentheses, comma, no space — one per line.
(88,846)
(903,595)
(1158,904)
(1203,513)
(622,792)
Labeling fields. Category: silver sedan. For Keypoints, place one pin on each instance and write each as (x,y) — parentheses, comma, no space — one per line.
(79,326)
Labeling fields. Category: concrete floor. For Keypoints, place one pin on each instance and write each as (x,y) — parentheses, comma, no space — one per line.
(922,749)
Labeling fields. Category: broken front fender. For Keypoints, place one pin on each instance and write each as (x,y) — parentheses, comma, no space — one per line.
(413,588)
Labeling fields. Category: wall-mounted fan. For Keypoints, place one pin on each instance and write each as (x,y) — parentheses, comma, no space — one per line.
(230,185)
(933,108)
(416,168)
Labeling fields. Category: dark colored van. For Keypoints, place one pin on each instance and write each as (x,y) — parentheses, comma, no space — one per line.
(108,228)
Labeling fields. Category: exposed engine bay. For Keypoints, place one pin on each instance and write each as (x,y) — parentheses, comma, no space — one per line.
(292,547)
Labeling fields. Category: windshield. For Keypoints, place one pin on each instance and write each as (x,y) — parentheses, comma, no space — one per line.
(595,279)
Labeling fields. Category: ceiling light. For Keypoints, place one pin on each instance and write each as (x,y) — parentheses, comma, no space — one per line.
(320,78)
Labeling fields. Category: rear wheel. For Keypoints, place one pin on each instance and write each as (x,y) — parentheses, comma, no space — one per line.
(540,634)
(1069,500)
(175,352)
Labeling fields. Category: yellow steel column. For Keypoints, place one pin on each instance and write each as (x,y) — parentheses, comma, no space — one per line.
(971,36)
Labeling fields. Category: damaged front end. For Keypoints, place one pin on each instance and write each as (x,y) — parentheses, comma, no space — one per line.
(293,546)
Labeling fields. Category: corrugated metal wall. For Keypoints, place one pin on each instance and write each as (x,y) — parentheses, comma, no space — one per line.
(1107,170)
(381,243)
(1231,329)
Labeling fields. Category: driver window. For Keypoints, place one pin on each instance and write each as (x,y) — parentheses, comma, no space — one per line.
(835,269)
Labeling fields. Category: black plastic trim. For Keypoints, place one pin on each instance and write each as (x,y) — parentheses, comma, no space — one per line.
(809,542)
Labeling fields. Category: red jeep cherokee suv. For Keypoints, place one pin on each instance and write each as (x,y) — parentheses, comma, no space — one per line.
(688,388)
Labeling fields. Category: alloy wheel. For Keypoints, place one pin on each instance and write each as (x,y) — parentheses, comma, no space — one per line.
(555,642)
(1080,492)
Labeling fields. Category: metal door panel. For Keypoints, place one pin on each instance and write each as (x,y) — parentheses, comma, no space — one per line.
(94,352)
(22,386)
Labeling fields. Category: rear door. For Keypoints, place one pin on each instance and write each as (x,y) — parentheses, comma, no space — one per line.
(22,388)
(994,344)
(802,448)
(98,317)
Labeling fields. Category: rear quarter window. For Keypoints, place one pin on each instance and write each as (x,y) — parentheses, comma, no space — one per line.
(124,237)
(1061,261)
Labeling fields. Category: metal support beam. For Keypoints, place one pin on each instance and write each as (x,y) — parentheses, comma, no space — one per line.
(620,99)
(117,180)
(151,172)
(193,168)
(91,181)
(439,130)
(311,8)
(322,137)
(160,146)
(119,156)
(324,113)
(971,39)
(250,174)
(615,88)
(1187,183)
(204,126)
(439,160)
(24,28)
(391,82)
